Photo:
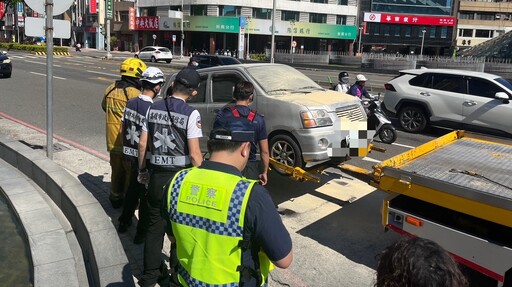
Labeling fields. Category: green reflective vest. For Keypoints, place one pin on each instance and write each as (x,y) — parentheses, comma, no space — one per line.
(207,211)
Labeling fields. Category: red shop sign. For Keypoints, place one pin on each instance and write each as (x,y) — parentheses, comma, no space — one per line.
(418,20)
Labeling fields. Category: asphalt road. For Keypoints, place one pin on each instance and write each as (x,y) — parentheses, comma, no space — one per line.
(335,224)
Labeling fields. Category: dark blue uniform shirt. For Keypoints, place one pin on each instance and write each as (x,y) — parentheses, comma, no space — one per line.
(258,123)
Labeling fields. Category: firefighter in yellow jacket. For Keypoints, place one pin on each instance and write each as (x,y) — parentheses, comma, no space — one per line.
(227,229)
(114,102)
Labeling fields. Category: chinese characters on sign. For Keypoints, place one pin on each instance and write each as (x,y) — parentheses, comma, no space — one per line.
(131,18)
(92,7)
(410,19)
(149,23)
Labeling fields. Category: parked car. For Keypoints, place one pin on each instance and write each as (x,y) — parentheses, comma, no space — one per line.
(5,65)
(154,54)
(452,98)
(306,123)
(206,61)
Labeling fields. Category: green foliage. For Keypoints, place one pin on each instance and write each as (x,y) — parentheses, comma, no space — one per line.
(258,57)
(113,41)
(29,48)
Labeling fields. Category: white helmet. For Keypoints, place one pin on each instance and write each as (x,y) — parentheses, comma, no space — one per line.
(153,75)
(361,78)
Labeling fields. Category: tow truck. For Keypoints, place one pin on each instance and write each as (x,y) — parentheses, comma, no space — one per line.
(457,191)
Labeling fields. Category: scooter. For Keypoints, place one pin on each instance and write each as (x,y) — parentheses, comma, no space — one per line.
(378,120)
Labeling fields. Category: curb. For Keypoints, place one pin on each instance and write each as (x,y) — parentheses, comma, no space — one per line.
(103,252)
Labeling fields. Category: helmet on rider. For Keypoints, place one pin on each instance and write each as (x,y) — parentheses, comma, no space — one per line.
(153,75)
(343,77)
(361,78)
(132,67)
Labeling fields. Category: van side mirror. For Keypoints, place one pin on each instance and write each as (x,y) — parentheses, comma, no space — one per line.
(502,96)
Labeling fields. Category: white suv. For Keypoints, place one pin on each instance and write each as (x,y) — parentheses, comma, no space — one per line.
(452,98)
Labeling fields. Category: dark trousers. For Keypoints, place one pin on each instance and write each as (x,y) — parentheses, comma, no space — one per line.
(134,193)
(156,228)
(252,170)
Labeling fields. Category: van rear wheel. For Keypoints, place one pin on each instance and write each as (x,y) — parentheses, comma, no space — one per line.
(285,150)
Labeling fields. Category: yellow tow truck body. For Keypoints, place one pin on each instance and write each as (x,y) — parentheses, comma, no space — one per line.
(457,191)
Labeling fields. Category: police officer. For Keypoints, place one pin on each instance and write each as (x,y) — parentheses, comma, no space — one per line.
(228,232)
(114,102)
(244,95)
(172,135)
(133,118)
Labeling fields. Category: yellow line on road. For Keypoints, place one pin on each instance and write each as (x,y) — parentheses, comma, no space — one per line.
(102,79)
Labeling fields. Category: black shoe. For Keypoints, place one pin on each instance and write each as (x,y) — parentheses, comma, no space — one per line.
(123,226)
(116,202)
(139,238)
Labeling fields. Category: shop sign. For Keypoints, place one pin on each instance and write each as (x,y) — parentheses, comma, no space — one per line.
(201,24)
(147,23)
(2,9)
(131,18)
(409,19)
(93,9)
(110,9)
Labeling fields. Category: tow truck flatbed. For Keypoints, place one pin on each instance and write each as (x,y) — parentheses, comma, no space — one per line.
(459,171)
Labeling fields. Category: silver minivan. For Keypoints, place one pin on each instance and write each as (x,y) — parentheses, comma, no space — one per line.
(306,123)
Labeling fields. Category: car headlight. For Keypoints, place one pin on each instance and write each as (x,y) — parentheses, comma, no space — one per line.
(315,118)
(6,61)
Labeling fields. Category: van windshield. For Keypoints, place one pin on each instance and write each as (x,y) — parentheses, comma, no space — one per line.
(281,79)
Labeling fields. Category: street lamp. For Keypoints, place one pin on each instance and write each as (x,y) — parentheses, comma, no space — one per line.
(273,37)
(422,40)
(181,45)
(360,34)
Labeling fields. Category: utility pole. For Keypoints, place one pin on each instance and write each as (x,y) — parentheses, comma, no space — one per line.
(182,35)
(49,78)
(360,34)
(422,41)
(272,41)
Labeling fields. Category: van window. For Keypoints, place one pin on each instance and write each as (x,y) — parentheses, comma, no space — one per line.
(483,88)
(222,87)
(449,83)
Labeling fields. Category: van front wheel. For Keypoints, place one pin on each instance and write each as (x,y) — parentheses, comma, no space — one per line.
(285,150)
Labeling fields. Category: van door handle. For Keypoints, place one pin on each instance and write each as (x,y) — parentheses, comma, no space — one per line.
(426,94)
(470,103)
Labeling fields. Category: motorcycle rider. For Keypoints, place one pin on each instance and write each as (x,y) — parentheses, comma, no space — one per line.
(343,82)
(359,89)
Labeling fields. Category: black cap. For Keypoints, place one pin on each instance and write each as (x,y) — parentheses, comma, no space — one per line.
(236,130)
(189,78)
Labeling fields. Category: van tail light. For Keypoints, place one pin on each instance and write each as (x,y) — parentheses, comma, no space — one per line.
(389,87)
(414,221)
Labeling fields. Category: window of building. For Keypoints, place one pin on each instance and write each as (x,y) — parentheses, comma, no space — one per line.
(413,7)
(341,19)
(408,31)
(319,1)
(483,33)
(317,18)
(432,31)
(385,29)
(465,32)
(262,13)
(397,30)
(342,2)
(199,10)
(485,16)
(123,16)
(289,15)
(467,15)
(444,32)
(230,11)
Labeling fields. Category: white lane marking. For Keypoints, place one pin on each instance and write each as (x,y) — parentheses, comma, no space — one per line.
(34,62)
(370,159)
(45,75)
(403,145)
(101,73)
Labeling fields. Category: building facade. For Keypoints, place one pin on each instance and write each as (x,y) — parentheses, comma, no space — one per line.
(479,21)
(407,26)
(213,26)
